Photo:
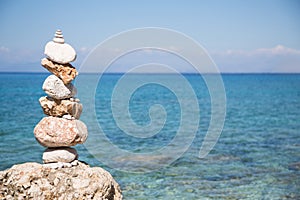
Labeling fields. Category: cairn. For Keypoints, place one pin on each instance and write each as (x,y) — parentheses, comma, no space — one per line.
(62,128)
(61,176)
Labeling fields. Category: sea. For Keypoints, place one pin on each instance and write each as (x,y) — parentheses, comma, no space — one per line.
(256,156)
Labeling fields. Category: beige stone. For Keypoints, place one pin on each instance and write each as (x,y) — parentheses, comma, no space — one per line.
(36,181)
(60,132)
(58,108)
(66,72)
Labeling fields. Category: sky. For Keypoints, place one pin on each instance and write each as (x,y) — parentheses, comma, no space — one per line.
(241,36)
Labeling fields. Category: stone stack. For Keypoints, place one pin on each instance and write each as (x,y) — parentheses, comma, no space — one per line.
(62,127)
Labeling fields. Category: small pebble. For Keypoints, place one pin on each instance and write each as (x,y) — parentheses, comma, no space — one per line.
(74,163)
(77,100)
(69,117)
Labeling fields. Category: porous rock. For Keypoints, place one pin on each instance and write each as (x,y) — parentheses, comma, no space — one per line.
(60,132)
(56,88)
(58,108)
(35,181)
(66,72)
(59,154)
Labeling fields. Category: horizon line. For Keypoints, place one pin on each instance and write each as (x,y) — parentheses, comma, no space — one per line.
(154,73)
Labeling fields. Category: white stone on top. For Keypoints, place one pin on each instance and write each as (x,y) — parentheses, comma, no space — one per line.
(59,51)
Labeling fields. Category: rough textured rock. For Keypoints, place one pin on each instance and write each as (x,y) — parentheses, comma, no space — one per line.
(56,88)
(34,181)
(59,154)
(58,108)
(59,51)
(66,72)
(60,132)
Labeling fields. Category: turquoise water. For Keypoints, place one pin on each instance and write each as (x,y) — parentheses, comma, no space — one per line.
(256,157)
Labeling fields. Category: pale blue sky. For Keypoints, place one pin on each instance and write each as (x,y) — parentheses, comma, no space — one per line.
(241,36)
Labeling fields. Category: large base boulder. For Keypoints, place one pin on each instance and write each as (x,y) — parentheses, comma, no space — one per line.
(36,181)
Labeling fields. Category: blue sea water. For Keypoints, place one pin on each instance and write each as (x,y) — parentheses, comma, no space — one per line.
(256,157)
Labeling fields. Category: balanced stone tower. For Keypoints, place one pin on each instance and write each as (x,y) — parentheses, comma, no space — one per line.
(62,127)
(61,176)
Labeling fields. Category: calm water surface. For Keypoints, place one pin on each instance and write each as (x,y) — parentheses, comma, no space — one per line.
(256,157)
